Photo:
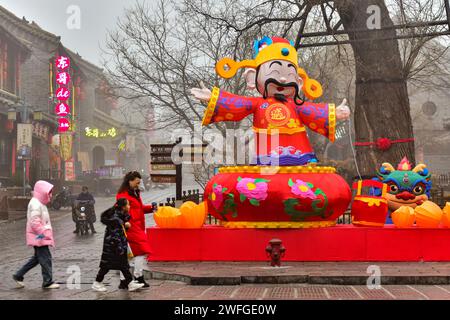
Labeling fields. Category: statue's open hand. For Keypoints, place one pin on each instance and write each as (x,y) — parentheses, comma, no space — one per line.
(342,111)
(202,93)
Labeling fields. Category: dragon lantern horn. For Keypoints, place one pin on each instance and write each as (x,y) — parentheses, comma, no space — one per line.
(388,167)
(419,167)
(404,165)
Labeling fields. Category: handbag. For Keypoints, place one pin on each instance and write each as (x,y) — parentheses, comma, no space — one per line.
(130,254)
(369,210)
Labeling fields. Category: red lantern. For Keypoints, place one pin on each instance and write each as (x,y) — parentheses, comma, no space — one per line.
(9,126)
(369,211)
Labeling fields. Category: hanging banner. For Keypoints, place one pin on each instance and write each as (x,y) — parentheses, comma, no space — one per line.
(70,170)
(66,146)
(24,141)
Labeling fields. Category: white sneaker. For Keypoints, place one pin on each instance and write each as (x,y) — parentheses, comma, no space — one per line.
(19,284)
(52,286)
(98,286)
(133,286)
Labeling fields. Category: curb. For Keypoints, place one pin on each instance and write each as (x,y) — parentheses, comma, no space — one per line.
(294,279)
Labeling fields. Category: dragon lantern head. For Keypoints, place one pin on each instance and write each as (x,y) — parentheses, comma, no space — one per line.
(406,186)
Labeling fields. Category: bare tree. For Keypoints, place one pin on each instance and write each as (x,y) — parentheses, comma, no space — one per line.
(156,54)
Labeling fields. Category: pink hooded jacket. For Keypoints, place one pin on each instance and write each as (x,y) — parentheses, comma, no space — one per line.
(39,228)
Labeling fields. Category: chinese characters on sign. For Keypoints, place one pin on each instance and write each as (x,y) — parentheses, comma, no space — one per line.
(97,133)
(64,125)
(62,63)
(63,93)
(62,109)
(63,78)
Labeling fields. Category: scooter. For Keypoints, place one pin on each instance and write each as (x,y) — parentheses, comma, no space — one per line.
(82,212)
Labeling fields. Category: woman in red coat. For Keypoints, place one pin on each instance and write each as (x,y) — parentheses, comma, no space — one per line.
(136,235)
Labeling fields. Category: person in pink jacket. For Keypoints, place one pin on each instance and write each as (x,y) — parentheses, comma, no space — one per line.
(39,235)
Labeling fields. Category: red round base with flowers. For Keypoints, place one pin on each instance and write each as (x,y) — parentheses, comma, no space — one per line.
(277,194)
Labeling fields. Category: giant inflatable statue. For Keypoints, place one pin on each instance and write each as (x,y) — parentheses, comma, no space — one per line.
(296,192)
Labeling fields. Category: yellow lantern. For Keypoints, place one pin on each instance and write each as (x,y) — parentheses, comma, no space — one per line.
(428,215)
(168,217)
(193,215)
(404,217)
(446,215)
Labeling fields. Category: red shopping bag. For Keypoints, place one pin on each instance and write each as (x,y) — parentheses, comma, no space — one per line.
(369,210)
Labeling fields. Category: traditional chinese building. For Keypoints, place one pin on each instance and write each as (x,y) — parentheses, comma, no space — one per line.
(25,51)
(12,55)
(28,73)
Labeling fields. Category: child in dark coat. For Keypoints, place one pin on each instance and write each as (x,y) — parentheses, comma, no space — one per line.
(114,255)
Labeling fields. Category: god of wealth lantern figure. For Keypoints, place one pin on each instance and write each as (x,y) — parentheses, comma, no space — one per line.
(295,192)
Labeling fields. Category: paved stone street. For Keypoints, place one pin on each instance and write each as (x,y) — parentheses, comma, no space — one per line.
(82,253)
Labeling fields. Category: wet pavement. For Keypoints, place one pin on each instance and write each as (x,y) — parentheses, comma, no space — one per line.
(76,259)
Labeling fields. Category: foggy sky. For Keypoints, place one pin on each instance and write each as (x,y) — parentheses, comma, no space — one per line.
(97,16)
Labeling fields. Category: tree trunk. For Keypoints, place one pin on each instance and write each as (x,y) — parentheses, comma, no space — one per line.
(381,99)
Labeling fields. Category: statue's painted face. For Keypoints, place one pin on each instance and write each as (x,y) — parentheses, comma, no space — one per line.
(278,77)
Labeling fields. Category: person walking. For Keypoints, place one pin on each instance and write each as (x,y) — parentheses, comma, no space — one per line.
(39,234)
(115,245)
(136,235)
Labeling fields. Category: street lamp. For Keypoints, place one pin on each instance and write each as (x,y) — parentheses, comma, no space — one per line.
(24,110)
(12,114)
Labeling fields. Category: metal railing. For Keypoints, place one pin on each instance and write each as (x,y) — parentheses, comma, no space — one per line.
(441,189)
(346,218)
(49,174)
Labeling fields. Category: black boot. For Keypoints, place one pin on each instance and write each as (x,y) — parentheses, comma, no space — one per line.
(141,280)
(93,229)
(123,284)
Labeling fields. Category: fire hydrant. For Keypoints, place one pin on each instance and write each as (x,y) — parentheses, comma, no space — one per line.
(275,250)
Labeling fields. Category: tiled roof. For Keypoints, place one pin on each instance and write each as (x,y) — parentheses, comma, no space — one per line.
(32,28)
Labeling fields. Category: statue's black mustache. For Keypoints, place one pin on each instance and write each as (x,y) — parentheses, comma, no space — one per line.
(284,85)
(279,84)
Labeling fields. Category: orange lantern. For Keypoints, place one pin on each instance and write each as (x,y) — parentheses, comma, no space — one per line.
(404,217)
(446,215)
(187,206)
(428,215)
(193,215)
(168,217)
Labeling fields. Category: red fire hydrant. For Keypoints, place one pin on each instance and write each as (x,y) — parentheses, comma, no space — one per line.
(275,250)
